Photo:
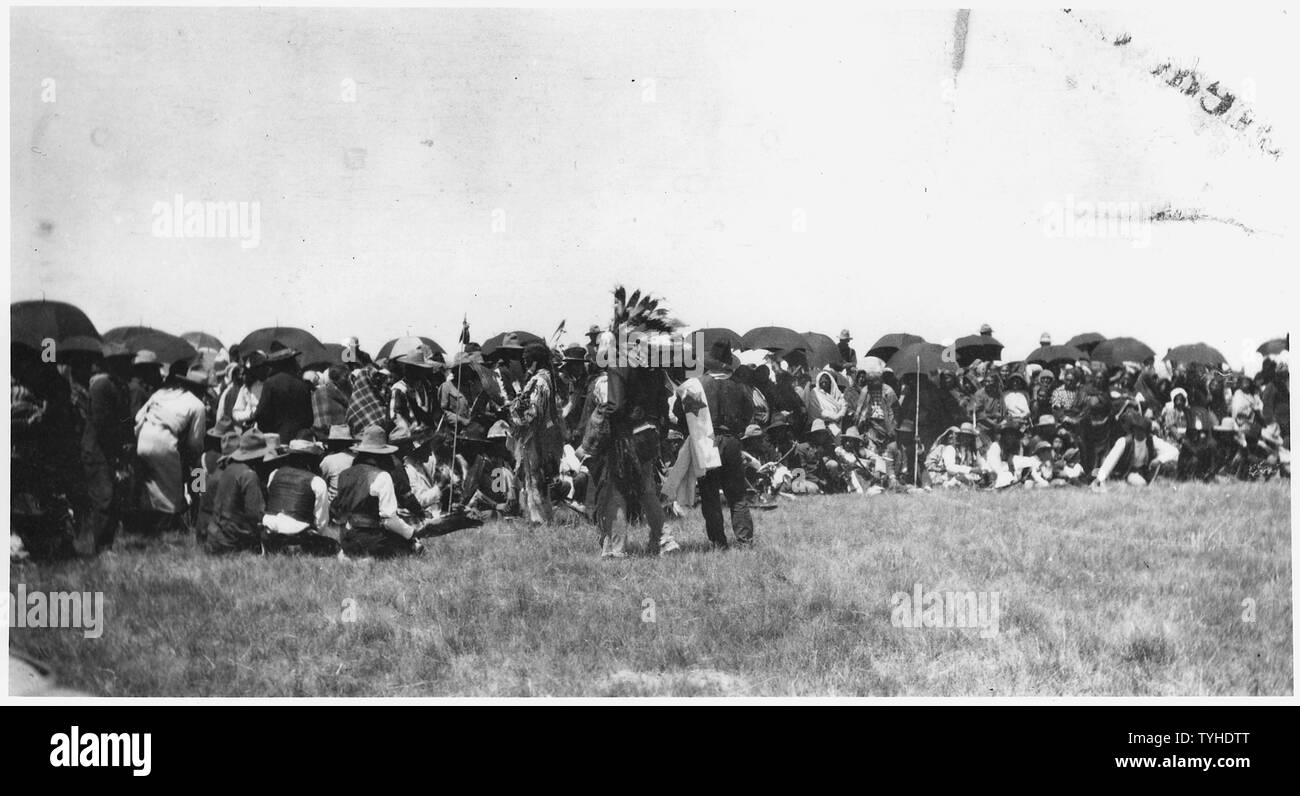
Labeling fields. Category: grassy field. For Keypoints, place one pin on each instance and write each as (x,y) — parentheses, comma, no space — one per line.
(1169,591)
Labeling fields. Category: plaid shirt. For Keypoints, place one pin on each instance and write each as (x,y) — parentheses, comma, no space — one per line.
(369,404)
(329,407)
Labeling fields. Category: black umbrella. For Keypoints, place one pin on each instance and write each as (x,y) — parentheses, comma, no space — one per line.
(168,347)
(1275,346)
(1086,341)
(904,361)
(1119,350)
(977,346)
(34,322)
(776,339)
(889,345)
(512,349)
(1051,354)
(310,350)
(1196,353)
(822,350)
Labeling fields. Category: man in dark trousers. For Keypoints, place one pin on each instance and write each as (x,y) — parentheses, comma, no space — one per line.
(285,406)
(731,407)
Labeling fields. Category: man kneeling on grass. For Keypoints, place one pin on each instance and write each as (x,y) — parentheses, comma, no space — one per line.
(1136,457)
(366,504)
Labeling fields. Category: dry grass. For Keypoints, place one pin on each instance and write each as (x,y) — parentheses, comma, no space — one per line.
(1125,593)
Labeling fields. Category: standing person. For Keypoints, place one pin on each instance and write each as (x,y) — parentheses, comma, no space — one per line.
(250,392)
(226,399)
(368,404)
(146,378)
(540,443)
(169,431)
(111,419)
(285,407)
(366,506)
(238,504)
(847,355)
(329,404)
(730,409)
(623,431)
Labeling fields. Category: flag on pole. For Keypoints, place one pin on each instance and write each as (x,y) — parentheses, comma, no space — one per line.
(464,331)
(559,330)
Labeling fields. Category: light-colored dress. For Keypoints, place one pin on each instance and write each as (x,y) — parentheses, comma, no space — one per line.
(169,430)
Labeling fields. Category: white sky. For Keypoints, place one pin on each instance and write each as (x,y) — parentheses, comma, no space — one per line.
(924,202)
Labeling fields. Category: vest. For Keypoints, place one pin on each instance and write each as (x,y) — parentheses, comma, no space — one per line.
(1126,460)
(290,493)
(354,503)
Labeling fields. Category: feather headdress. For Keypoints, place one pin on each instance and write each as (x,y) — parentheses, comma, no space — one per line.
(642,313)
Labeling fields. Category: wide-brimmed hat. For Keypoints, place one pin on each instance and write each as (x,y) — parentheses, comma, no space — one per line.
(419,359)
(374,440)
(279,352)
(779,420)
(593,331)
(966,428)
(252,445)
(297,447)
(145,357)
(194,376)
(499,430)
(1043,445)
(845,336)
(851,433)
(1046,420)
(340,433)
(403,438)
(986,329)
(817,425)
(752,430)
(575,353)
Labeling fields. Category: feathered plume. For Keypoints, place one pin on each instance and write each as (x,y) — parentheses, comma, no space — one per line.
(641,312)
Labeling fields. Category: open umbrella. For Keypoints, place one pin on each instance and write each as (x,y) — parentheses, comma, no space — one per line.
(405,345)
(310,350)
(202,340)
(1196,353)
(1086,341)
(776,339)
(710,335)
(1275,346)
(889,344)
(521,339)
(34,322)
(977,346)
(1118,350)
(904,361)
(1051,354)
(168,347)
(822,350)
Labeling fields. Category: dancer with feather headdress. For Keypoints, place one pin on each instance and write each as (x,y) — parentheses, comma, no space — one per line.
(621,441)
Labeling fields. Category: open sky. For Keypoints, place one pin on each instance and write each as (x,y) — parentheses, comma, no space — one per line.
(810,169)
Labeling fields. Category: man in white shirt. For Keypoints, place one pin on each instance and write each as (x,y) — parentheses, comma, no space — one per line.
(1136,457)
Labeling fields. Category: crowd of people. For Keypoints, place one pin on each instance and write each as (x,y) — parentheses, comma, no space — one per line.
(373,457)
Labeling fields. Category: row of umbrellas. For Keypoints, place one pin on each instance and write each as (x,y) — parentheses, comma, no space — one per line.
(33,322)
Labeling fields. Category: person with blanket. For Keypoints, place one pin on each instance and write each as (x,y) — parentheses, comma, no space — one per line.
(540,444)
(823,401)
